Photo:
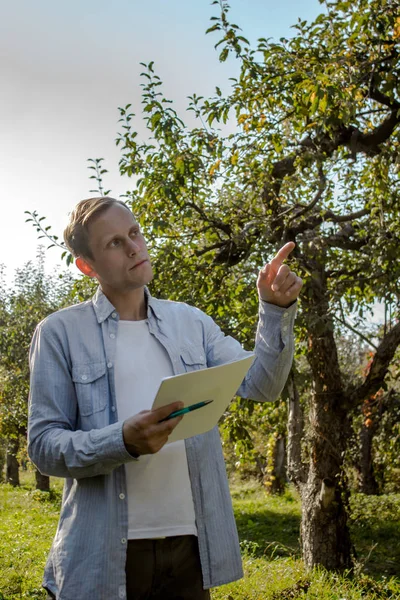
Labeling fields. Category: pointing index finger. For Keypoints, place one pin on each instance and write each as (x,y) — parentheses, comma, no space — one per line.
(282,254)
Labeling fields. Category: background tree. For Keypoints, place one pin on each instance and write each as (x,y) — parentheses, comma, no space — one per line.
(33,296)
(377,441)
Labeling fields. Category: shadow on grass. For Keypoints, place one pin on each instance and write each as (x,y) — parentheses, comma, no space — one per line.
(265,533)
(378,547)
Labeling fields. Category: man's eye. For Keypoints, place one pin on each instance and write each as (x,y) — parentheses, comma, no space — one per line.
(114,243)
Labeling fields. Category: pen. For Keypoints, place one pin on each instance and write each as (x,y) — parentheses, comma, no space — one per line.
(188,409)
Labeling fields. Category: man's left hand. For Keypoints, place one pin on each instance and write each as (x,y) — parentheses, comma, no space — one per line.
(276,283)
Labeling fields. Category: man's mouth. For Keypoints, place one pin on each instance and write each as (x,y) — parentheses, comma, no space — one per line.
(138,264)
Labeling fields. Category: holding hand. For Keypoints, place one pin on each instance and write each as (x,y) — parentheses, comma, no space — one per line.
(145,433)
(276,283)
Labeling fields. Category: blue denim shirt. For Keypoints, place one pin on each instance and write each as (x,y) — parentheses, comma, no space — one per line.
(74,433)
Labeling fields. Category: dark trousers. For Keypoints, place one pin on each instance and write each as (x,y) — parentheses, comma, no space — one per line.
(165,569)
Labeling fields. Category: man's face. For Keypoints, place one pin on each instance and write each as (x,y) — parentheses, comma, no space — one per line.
(121,261)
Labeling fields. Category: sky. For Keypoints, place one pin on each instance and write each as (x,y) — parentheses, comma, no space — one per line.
(66,67)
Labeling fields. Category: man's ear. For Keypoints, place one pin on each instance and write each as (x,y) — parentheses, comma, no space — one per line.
(84,267)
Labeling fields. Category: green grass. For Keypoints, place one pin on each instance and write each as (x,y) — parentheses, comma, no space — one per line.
(28,523)
(268,529)
(375,528)
(269,532)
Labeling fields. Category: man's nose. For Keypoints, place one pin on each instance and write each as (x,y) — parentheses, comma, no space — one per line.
(132,247)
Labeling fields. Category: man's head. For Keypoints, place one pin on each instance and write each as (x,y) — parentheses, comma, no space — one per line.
(76,234)
(106,240)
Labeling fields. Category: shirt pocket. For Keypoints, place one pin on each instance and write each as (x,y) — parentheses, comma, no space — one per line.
(193,358)
(91,387)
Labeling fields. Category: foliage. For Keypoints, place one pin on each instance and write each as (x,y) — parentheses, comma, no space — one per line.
(364,509)
(33,296)
(380,414)
(250,430)
(309,141)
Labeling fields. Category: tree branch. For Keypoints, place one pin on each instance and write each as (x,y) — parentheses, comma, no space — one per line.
(330,216)
(368,143)
(361,335)
(209,248)
(381,98)
(349,137)
(317,197)
(341,239)
(339,272)
(225,227)
(379,366)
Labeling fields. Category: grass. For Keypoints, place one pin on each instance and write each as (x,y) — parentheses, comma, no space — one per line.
(269,532)
(28,523)
(268,529)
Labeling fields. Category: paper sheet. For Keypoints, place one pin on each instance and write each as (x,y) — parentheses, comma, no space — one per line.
(215,383)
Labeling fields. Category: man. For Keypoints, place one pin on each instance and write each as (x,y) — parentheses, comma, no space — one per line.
(140,518)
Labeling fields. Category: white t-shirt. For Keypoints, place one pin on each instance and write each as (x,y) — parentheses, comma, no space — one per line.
(160,501)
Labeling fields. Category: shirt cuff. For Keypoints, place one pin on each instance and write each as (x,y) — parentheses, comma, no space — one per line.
(110,445)
(277,321)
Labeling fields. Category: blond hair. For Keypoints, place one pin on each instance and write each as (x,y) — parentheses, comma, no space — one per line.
(76,235)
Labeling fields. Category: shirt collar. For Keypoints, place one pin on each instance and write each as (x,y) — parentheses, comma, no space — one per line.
(103,307)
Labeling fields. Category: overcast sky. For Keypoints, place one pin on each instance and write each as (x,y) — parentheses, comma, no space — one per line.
(65,69)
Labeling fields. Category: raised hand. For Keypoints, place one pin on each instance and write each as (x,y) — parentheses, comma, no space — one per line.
(276,283)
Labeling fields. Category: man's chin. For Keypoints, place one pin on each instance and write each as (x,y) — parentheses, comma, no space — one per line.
(145,280)
(148,273)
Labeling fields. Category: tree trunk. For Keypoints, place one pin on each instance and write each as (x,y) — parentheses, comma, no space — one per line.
(296,470)
(367,483)
(325,535)
(278,477)
(12,466)
(42,481)
(2,461)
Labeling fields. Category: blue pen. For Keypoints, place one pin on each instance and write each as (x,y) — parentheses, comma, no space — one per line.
(188,409)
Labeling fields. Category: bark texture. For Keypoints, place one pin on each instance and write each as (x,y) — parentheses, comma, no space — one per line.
(2,463)
(12,465)
(367,483)
(42,482)
(296,470)
(278,477)
(324,528)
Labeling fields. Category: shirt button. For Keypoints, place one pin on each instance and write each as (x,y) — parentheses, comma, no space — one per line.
(122,496)
(285,328)
(112,336)
(84,377)
(285,314)
(113,408)
(114,315)
(109,365)
(123,540)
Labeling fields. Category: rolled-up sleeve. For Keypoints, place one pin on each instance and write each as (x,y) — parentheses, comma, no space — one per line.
(54,445)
